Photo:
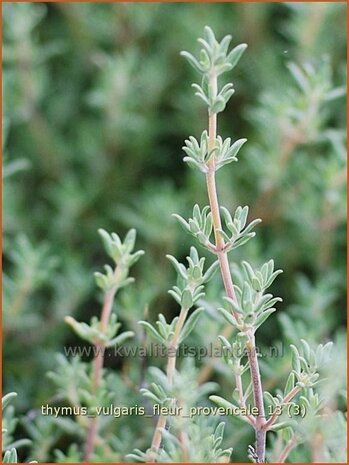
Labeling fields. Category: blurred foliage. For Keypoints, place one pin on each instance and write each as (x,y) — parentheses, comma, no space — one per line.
(96,107)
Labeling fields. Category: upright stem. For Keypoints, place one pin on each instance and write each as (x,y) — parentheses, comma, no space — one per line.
(213,199)
(170,370)
(227,279)
(97,368)
(257,397)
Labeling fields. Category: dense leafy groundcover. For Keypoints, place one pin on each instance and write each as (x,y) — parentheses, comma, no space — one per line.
(97,103)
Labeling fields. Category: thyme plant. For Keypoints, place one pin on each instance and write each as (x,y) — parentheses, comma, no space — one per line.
(249,305)
(186,293)
(222,294)
(102,333)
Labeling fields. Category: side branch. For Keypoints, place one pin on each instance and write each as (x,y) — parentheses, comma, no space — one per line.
(98,367)
(171,366)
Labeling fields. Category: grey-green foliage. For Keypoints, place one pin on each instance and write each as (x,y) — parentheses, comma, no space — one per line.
(113,280)
(239,232)
(9,423)
(45,432)
(84,389)
(33,267)
(186,392)
(251,307)
(93,116)
(313,424)
(72,455)
(165,331)
(178,393)
(92,333)
(205,442)
(214,56)
(200,226)
(69,377)
(188,291)
(190,282)
(121,253)
(306,362)
(198,153)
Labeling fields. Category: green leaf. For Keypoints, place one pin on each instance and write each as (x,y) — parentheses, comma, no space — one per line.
(152,332)
(186,299)
(178,266)
(295,359)
(235,55)
(271,399)
(192,61)
(282,425)
(10,456)
(218,105)
(205,61)
(234,303)
(210,272)
(118,340)
(176,294)
(335,93)
(289,384)
(150,395)
(263,317)
(7,399)
(106,241)
(224,45)
(130,239)
(200,93)
(182,222)
(190,324)
(195,164)
(219,431)
(251,225)
(81,329)
(135,257)
(228,317)
(209,36)
(225,343)
(235,148)
(126,282)
(300,77)
(221,402)
(101,281)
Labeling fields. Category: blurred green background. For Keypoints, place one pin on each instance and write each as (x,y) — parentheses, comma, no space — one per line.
(97,104)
